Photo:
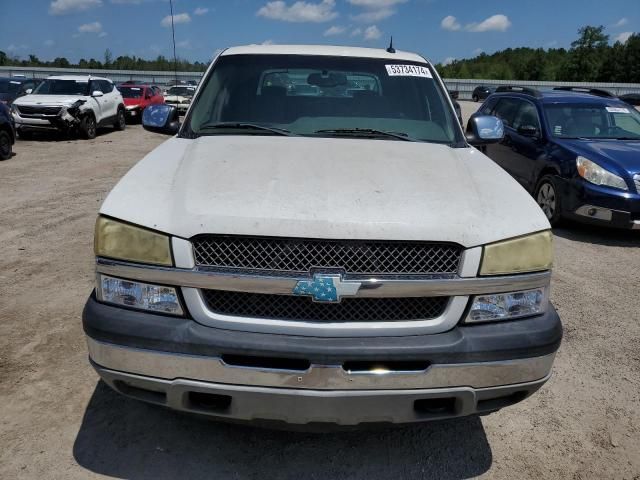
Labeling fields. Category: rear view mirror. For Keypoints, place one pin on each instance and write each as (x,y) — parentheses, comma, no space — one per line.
(484,129)
(328,80)
(528,131)
(161,119)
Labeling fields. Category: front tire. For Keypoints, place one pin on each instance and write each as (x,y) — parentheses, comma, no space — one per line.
(548,198)
(121,122)
(88,127)
(5,145)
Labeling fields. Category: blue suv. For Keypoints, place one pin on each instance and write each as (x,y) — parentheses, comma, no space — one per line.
(577,151)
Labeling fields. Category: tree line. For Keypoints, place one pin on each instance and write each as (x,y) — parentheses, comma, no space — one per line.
(108,62)
(590,59)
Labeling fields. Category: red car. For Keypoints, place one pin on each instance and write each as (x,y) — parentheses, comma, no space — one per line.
(138,97)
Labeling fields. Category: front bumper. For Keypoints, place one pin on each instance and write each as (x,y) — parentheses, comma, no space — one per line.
(188,366)
(600,205)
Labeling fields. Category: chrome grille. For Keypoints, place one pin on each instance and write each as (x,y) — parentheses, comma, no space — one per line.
(285,307)
(300,256)
(636,179)
(37,110)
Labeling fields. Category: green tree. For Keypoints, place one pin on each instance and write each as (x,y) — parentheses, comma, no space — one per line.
(587,54)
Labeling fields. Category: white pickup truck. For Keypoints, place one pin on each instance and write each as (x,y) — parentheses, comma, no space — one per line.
(320,242)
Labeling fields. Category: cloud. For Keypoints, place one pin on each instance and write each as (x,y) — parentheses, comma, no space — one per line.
(299,11)
(374,10)
(62,7)
(495,23)
(334,30)
(49,43)
(478,51)
(201,11)
(178,18)
(551,44)
(448,61)
(623,37)
(186,44)
(620,23)
(356,32)
(373,15)
(102,34)
(372,33)
(93,27)
(15,48)
(267,42)
(450,23)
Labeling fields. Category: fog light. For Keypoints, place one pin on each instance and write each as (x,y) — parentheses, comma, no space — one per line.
(507,306)
(141,296)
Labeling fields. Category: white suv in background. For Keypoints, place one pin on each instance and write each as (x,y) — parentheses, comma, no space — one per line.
(71,104)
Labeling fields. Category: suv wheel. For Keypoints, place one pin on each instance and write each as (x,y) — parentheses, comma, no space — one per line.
(121,121)
(88,127)
(5,145)
(549,200)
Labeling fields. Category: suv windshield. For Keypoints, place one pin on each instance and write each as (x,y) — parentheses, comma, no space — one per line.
(323,96)
(181,91)
(63,87)
(130,92)
(593,121)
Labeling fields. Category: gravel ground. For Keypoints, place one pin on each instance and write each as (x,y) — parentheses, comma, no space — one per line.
(57,421)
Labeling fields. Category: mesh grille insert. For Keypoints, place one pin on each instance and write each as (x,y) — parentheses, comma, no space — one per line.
(285,307)
(297,255)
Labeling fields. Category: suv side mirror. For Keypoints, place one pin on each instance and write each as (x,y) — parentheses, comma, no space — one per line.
(28,91)
(484,129)
(97,93)
(161,119)
(528,131)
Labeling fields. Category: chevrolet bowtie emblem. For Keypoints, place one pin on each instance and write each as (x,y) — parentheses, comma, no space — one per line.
(326,288)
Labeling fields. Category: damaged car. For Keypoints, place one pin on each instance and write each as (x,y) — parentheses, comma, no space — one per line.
(72,104)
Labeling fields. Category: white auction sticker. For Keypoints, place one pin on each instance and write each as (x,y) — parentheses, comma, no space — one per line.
(408,71)
(617,110)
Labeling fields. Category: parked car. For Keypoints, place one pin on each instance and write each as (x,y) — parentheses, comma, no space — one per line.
(342,257)
(577,151)
(14,87)
(631,99)
(481,92)
(72,104)
(7,133)
(180,97)
(137,97)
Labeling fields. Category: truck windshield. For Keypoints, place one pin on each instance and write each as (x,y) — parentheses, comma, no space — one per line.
(593,121)
(181,91)
(323,96)
(63,87)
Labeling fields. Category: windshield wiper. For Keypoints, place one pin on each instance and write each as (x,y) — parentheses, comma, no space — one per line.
(245,126)
(367,132)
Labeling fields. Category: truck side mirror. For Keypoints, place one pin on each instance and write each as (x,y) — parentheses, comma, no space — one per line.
(161,119)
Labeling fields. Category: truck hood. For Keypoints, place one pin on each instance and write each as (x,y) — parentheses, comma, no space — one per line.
(622,154)
(62,100)
(324,188)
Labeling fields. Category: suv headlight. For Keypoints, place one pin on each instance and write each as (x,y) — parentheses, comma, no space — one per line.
(531,253)
(508,306)
(138,295)
(122,241)
(594,173)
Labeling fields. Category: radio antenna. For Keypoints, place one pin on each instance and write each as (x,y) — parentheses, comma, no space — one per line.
(173,34)
(391,49)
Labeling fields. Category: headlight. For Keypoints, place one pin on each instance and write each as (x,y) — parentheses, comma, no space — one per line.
(141,296)
(594,173)
(531,253)
(507,306)
(126,242)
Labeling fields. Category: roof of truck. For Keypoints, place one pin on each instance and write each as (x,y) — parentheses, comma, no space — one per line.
(327,50)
